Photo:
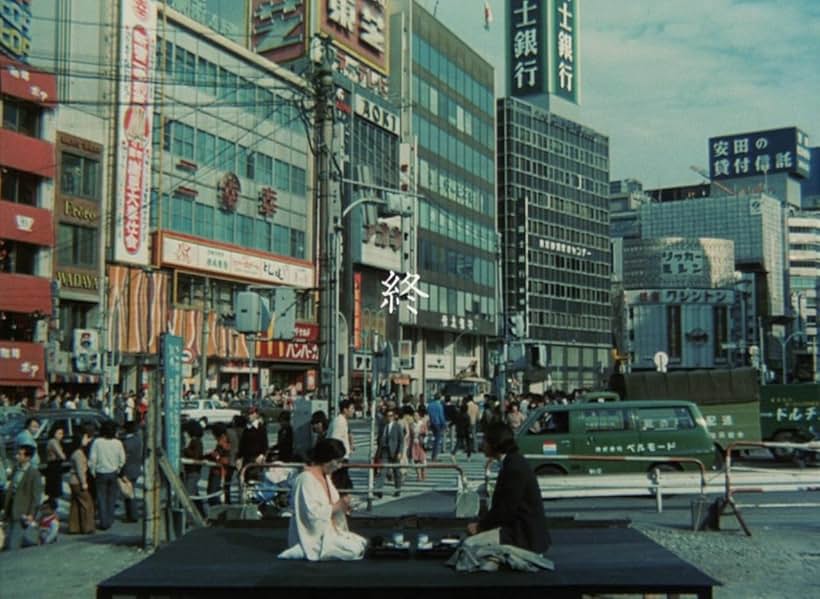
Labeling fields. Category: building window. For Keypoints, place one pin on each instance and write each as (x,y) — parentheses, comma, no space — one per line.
(22,117)
(226,155)
(204,223)
(76,245)
(19,187)
(80,176)
(282,175)
(673,331)
(182,218)
(298,185)
(18,257)
(205,147)
(297,243)
(182,140)
(73,315)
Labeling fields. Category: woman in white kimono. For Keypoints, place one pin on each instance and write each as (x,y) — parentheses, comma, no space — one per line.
(318,528)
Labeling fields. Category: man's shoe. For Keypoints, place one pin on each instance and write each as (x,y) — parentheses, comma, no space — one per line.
(378,494)
(397,493)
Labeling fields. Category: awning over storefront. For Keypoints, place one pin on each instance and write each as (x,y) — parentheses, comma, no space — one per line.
(22,364)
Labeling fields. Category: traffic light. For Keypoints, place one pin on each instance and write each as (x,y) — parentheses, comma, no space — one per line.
(284,310)
(517,326)
(252,312)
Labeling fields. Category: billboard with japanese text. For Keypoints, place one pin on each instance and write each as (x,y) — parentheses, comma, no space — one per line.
(543,48)
(759,153)
(361,27)
(134,123)
(279,30)
(678,262)
(563,49)
(527,47)
(171,365)
(226,17)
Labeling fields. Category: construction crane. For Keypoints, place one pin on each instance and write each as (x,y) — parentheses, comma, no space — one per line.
(718,184)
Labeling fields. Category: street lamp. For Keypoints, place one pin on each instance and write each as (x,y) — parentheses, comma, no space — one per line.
(783,344)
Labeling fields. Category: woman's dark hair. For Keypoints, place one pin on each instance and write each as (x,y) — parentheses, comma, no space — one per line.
(55,429)
(319,416)
(31,419)
(499,436)
(193,428)
(326,450)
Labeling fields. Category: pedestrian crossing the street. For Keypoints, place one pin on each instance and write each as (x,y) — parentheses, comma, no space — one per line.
(434,479)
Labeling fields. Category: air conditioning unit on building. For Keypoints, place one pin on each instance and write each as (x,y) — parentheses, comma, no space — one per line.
(408,363)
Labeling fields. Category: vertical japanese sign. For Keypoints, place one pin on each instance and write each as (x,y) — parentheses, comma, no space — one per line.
(564,45)
(759,153)
(134,119)
(527,50)
(357,310)
(171,354)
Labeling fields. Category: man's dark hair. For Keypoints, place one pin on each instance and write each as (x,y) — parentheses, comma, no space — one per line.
(108,429)
(499,436)
(31,419)
(345,404)
(28,450)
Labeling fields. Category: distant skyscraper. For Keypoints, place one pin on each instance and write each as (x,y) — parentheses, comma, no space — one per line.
(553,216)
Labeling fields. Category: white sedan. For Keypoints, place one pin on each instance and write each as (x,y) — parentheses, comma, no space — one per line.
(207,412)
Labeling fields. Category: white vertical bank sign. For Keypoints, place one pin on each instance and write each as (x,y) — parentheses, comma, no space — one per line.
(134,120)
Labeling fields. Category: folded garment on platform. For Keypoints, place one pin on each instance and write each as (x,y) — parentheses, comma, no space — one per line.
(483,553)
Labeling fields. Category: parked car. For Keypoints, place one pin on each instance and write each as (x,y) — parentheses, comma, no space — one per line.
(70,420)
(207,412)
(269,410)
(658,430)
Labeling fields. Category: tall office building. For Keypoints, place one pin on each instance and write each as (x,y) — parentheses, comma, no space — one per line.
(446,95)
(804,278)
(553,215)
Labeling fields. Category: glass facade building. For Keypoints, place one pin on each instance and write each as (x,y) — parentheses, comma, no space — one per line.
(446,94)
(553,215)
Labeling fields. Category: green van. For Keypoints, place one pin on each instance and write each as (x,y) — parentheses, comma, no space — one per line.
(646,429)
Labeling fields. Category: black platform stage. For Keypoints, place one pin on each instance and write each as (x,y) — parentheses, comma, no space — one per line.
(241,562)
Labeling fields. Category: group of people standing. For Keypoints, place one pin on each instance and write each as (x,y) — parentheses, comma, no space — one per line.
(98,464)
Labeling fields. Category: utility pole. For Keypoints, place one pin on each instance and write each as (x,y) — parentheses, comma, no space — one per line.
(329,215)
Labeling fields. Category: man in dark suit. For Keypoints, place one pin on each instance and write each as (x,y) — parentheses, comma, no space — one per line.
(23,497)
(517,509)
(391,442)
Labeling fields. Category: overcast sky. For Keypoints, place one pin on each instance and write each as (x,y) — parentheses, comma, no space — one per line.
(659,77)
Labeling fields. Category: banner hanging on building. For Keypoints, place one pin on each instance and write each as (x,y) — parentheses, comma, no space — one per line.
(134,119)
(172,395)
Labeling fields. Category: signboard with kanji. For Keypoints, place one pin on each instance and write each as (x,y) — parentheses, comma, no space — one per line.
(527,47)
(564,49)
(759,153)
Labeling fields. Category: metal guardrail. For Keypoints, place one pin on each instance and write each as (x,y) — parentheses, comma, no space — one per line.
(371,491)
(727,502)
(656,483)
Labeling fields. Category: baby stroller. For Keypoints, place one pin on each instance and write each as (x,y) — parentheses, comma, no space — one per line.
(271,492)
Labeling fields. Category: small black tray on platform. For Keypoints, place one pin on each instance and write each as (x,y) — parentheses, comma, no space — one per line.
(436,552)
